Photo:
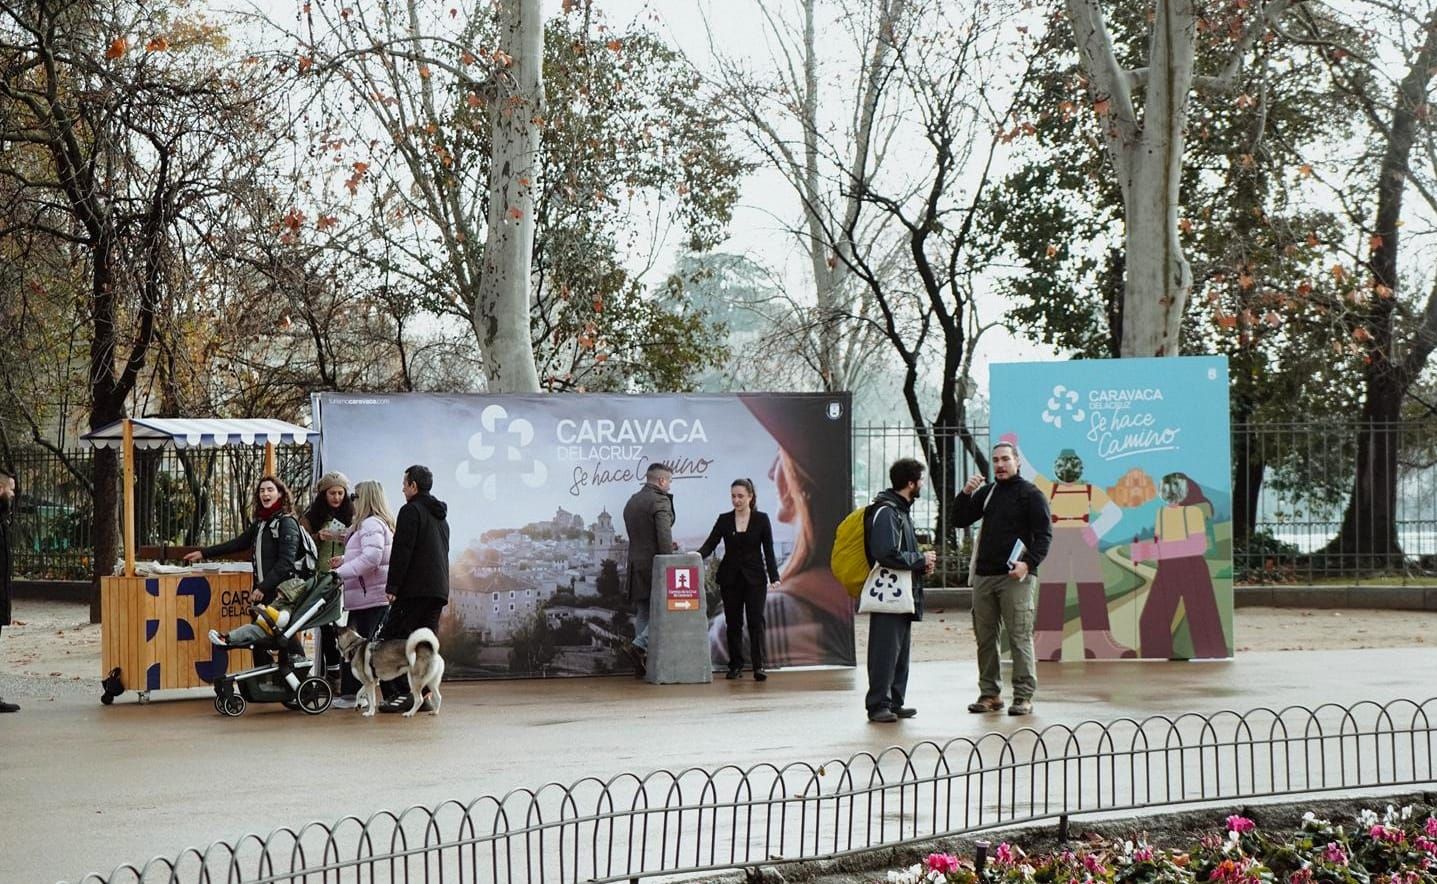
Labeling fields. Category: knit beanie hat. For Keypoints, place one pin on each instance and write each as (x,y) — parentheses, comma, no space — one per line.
(330,480)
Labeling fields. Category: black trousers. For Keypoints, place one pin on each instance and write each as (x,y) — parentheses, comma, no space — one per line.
(744,601)
(889,641)
(405,616)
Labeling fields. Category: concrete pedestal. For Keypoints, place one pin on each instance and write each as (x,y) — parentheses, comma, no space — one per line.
(678,623)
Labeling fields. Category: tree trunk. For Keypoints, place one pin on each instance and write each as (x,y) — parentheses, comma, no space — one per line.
(1367,540)
(1159,278)
(1368,536)
(1248,468)
(1148,158)
(501,314)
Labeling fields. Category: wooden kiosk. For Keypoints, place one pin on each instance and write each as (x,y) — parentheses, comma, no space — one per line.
(154,628)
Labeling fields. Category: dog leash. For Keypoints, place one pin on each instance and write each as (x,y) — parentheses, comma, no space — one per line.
(379,627)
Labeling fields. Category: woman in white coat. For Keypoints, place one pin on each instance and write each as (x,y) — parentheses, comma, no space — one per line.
(364,568)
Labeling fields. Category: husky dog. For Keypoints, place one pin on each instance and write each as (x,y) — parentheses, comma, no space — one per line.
(376,661)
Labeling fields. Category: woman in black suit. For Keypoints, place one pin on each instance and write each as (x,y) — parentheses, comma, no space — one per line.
(745,574)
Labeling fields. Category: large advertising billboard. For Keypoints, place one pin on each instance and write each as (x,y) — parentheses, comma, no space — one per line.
(536,487)
(1133,456)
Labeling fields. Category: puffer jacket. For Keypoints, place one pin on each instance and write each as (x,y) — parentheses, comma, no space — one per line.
(365,569)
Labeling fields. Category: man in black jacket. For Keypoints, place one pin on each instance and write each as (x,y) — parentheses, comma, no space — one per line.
(1012,510)
(7,509)
(889,539)
(418,587)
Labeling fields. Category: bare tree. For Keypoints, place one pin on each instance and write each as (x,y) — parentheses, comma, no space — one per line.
(116,126)
(785,117)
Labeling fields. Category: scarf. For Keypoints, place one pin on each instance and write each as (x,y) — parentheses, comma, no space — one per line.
(263,513)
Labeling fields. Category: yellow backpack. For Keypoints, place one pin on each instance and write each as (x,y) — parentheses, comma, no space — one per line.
(849,559)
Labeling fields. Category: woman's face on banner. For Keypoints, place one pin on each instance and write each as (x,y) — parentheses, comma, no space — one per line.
(783,484)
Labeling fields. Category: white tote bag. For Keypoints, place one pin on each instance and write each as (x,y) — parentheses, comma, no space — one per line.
(887,591)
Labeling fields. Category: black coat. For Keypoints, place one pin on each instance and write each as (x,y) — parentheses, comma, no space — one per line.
(1016,511)
(6,512)
(747,555)
(276,547)
(890,539)
(419,558)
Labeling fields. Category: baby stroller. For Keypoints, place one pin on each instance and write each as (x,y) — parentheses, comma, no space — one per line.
(291,680)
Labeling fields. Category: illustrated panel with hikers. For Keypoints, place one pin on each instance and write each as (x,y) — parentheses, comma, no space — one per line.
(547,577)
(1133,458)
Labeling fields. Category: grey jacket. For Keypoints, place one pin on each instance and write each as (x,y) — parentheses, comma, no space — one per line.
(649,522)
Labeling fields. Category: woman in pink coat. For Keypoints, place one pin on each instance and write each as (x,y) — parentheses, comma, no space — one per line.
(364,568)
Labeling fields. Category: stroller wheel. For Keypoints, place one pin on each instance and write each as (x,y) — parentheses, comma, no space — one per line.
(314,695)
(232,705)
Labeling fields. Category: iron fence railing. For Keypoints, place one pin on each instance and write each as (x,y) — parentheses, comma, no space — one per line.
(1293,485)
(700,820)
(181,497)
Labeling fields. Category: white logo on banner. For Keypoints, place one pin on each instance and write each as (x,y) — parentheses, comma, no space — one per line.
(1063,404)
(502,440)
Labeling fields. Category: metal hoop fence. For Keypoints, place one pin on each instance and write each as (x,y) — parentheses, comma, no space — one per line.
(696,820)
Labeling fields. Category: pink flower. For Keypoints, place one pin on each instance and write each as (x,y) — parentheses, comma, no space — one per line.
(1004,855)
(1334,853)
(942,862)
(1143,854)
(1301,876)
(1431,827)
(1380,832)
(1240,824)
(1093,864)
(1426,845)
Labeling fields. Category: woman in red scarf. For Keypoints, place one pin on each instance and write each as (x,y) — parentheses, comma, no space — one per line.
(273,537)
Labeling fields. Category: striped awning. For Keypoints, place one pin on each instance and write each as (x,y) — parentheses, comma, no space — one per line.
(157,432)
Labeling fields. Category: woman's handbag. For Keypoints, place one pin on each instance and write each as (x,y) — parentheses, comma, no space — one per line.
(886,591)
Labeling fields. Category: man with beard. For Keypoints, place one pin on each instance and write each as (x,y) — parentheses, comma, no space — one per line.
(1012,510)
(890,540)
(7,509)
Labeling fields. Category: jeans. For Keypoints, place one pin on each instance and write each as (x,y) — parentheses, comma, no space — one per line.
(641,624)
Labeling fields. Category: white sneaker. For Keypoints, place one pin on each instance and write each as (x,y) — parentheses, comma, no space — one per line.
(344,702)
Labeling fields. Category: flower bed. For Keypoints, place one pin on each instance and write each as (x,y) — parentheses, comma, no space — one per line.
(1394,847)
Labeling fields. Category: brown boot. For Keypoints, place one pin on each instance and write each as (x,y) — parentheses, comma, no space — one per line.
(986,703)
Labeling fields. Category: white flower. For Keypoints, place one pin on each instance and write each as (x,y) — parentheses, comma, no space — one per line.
(1367,818)
(1309,817)
(1390,816)
(1407,812)
(1127,847)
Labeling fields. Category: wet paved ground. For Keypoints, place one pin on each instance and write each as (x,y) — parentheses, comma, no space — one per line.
(85,787)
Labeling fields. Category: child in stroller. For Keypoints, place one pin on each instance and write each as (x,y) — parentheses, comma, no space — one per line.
(267,618)
(315,602)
